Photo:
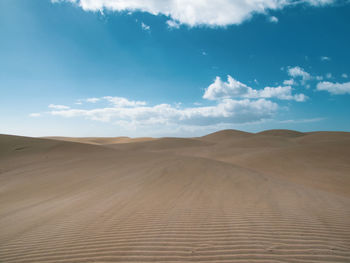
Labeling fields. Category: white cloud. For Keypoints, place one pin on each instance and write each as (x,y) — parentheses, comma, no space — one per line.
(252,106)
(273,19)
(93,100)
(233,102)
(145,27)
(344,75)
(235,89)
(58,107)
(173,24)
(226,111)
(324,58)
(280,92)
(220,89)
(329,75)
(34,115)
(320,2)
(289,82)
(195,12)
(334,88)
(123,102)
(302,120)
(297,71)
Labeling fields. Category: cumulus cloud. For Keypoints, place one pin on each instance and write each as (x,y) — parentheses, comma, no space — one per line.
(344,75)
(195,12)
(58,107)
(334,88)
(221,89)
(297,71)
(235,89)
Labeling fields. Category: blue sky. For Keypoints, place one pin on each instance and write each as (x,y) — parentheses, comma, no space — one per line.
(173,68)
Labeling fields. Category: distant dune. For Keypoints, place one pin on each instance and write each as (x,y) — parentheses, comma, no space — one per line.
(282,133)
(230,196)
(101,141)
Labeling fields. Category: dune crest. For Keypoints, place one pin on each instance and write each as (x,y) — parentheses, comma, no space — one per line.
(282,133)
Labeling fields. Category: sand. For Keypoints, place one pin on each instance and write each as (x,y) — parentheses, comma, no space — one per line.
(231,196)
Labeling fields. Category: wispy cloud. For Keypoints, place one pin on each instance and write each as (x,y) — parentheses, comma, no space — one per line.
(123,102)
(93,100)
(58,107)
(302,120)
(194,13)
(325,58)
(145,27)
(34,115)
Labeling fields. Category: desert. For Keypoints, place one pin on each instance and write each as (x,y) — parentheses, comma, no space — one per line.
(230,196)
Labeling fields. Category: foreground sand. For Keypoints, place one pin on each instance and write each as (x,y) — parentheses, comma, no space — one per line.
(276,196)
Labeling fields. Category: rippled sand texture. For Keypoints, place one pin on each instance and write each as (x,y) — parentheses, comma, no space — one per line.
(275,196)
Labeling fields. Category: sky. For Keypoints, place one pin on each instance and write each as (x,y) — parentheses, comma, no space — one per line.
(173,67)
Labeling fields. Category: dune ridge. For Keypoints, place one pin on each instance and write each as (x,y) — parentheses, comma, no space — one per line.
(230,196)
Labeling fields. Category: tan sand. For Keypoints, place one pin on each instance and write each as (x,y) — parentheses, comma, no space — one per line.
(274,196)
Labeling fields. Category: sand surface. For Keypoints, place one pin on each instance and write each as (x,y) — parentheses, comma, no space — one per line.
(231,196)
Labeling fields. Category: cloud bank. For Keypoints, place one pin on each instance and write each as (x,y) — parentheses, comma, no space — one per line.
(225,102)
(226,111)
(195,12)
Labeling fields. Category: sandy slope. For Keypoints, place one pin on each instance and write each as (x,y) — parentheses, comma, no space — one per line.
(275,196)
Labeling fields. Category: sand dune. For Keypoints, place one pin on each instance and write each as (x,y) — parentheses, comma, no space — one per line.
(231,196)
(282,133)
(101,141)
